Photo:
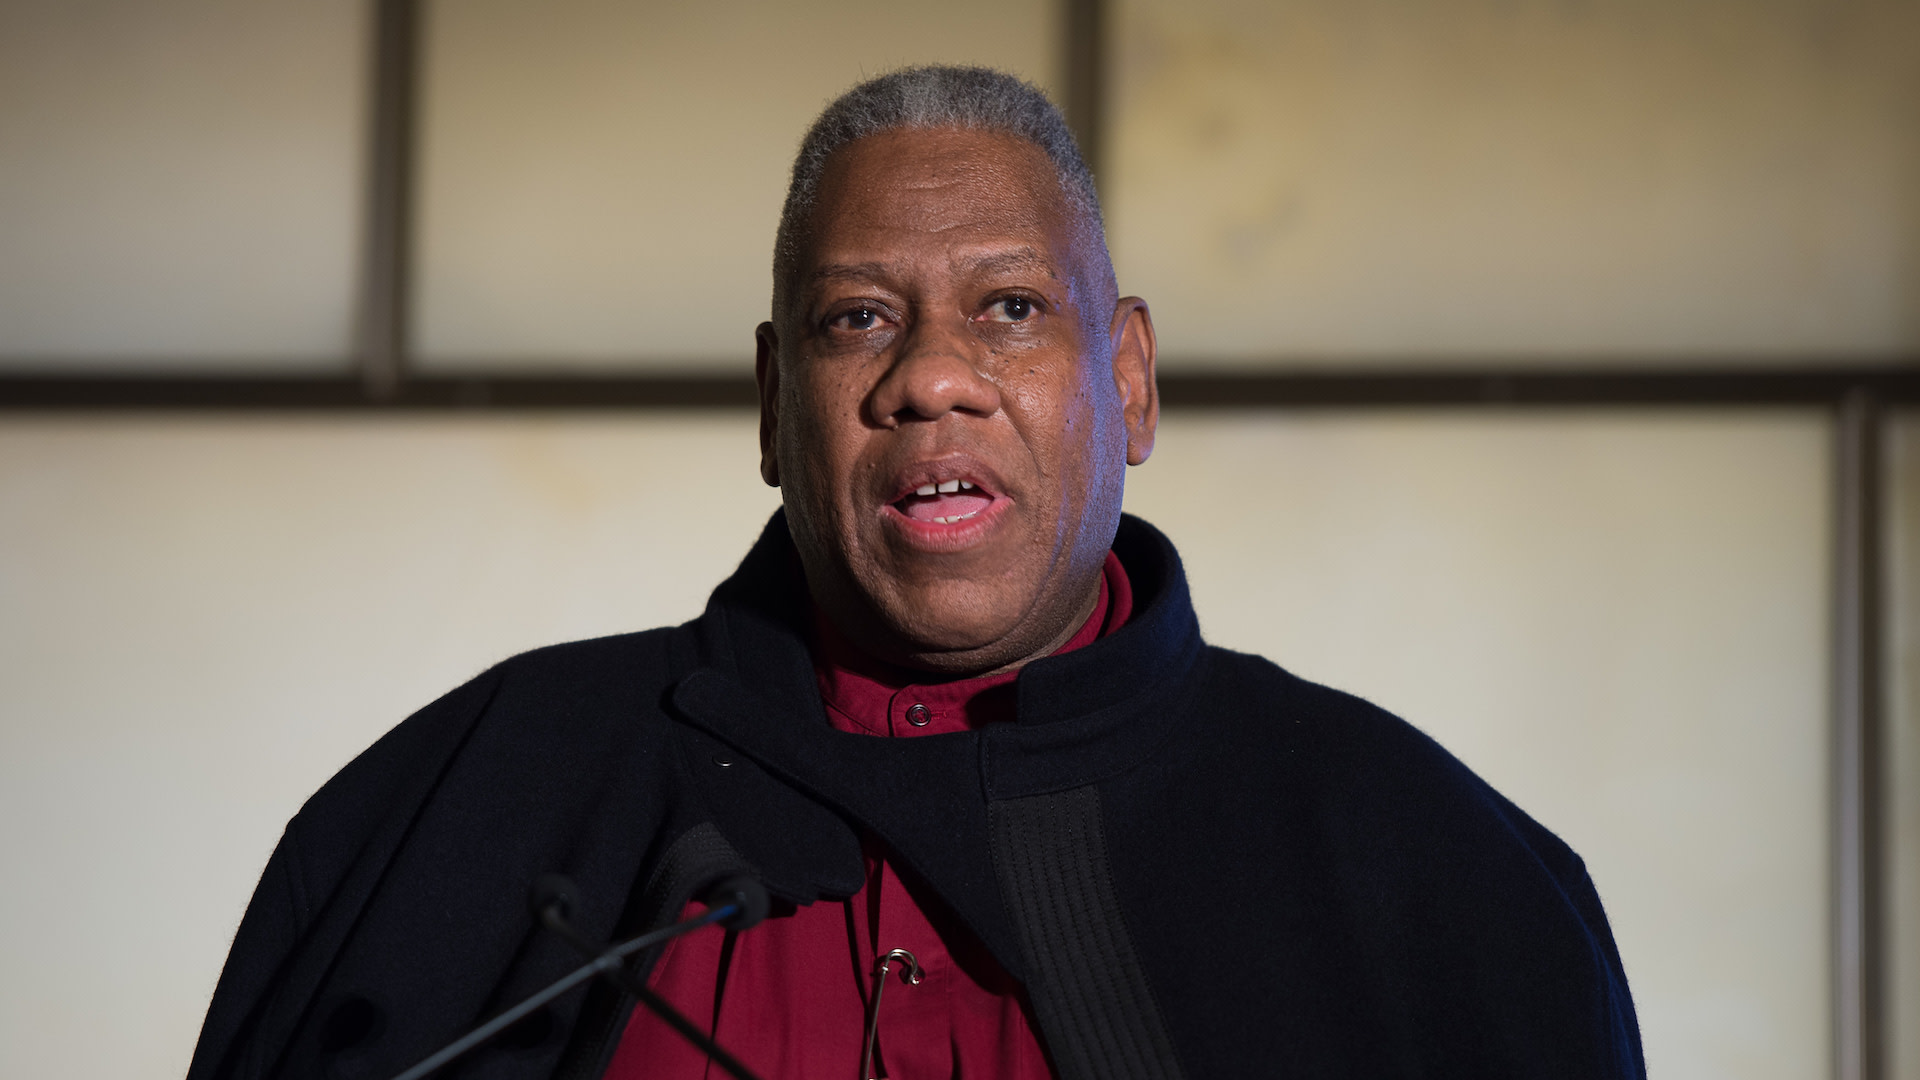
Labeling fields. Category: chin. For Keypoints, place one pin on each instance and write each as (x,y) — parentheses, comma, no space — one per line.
(921,632)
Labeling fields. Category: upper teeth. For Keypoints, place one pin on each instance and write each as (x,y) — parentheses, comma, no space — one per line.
(944,487)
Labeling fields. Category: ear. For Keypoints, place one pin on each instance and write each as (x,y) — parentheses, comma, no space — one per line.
(766,372)
(1134,352)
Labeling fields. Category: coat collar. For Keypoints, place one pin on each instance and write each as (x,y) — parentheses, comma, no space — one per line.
(755,629)
(1081,717)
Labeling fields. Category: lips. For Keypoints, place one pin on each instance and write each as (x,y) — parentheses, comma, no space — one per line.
(944,503)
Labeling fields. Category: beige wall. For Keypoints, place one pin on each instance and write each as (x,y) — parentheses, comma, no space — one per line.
(1618,619)
(200,620)
(180,183)
(1327,181)
(1309,183)
(601,179)
(1340,180)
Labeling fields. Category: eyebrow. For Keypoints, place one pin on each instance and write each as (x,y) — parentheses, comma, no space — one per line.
(1025,258)
(848,272)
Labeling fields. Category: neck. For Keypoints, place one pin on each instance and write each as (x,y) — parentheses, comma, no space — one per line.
(867,636)
(1065,634)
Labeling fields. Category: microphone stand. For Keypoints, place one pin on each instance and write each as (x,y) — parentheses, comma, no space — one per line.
(742,903)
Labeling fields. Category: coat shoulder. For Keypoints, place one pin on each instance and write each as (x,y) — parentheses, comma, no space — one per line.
(1367,839)
(589,682)
(1360,751)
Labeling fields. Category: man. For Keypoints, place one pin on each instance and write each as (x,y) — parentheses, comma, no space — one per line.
(955,712)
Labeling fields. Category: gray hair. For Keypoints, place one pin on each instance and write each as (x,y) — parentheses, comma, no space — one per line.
(934,96)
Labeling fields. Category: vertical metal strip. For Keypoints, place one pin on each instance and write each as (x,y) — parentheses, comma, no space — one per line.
(1084,77)
(1858,930)
(382,329)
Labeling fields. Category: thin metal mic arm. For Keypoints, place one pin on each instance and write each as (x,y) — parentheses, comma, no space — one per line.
(624,979)
(743,905)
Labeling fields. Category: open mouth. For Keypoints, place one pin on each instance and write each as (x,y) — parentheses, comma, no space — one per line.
(944,502)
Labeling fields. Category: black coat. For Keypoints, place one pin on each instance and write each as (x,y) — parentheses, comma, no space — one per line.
(1198,864)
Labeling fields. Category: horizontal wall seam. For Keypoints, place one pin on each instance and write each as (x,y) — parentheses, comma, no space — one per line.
(1729,387)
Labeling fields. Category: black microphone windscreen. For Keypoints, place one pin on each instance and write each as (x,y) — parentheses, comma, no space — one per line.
(748,894)
(553,890)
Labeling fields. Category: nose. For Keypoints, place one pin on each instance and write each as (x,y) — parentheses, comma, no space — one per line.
(936,371)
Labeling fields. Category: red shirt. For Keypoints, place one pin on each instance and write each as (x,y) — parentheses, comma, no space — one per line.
(789,997)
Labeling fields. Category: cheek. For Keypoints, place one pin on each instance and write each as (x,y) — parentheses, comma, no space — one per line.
(1093,442)
(819,448)
(1086,422)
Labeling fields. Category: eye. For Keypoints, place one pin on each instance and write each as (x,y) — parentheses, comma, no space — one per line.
(860,318)
(1011,309)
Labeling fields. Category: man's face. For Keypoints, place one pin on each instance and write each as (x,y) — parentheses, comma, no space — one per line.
(951,400)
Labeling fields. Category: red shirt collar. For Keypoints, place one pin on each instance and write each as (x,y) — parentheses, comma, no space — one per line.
(867,697)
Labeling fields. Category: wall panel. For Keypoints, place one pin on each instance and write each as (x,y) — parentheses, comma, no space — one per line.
(1618,620)
(180,183)
(201,621)
(1336,182)
(600,180)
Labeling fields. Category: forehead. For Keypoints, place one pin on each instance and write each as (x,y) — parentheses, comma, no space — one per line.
(926,192)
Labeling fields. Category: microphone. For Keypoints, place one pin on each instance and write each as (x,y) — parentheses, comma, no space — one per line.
(744,893)
(737,903)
